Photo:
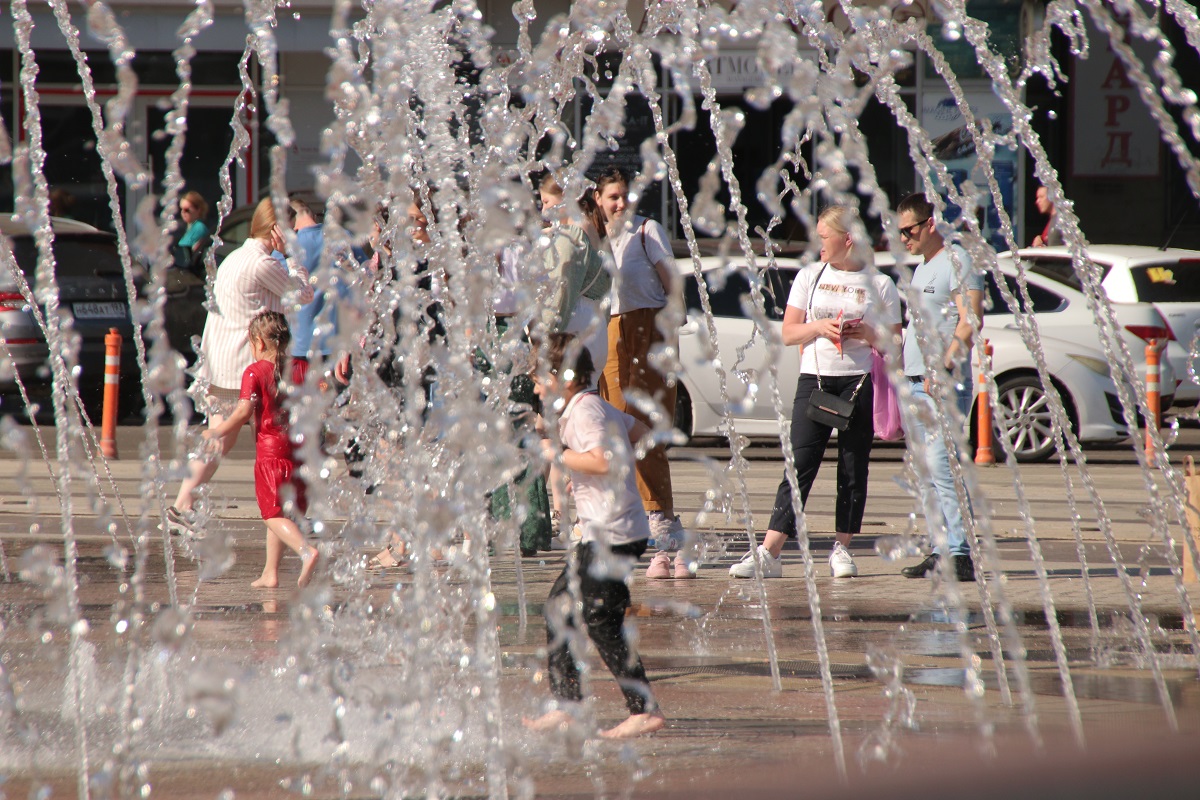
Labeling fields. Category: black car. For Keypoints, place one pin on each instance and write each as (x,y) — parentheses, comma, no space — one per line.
(92,300)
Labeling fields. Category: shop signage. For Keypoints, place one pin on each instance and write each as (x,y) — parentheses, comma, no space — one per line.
(1113,132)
(738,70)
(954,146)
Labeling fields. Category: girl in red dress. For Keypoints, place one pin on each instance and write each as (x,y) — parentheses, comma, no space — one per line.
(274,462)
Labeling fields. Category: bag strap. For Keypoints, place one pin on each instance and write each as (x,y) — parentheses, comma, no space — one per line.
(808,313)
(861,381)
(599,272)
(816,361)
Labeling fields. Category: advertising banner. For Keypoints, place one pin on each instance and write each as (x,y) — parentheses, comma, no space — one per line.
(955,147)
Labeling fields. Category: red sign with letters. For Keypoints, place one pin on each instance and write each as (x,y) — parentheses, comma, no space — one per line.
(1113,132)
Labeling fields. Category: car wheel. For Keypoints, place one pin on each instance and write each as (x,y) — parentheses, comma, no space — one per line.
(683,410)
(1025,406)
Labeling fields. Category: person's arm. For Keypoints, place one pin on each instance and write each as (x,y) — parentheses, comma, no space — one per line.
(234,422)
(888,309)
(668,275)
(964,334)
(280,279)
(556,258)
(658,253)
(858,329)
(797,330)
(341,370)
(590,462)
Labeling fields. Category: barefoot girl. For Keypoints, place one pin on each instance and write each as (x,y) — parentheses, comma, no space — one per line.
(274,464)
(598,456)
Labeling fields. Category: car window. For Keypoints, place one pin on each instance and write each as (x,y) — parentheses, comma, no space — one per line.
(1061,270)
(726,300)
(1170,282)
(778,285)
(1044,300)
(74,257)
(236,233)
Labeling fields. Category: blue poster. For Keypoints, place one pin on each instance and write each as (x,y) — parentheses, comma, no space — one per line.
(954,146)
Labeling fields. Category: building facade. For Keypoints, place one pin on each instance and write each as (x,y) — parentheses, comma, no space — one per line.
(1109,154)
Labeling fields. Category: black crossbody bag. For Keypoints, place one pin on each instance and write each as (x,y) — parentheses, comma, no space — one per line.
(825,408)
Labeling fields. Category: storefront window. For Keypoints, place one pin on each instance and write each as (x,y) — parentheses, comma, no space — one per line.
(155,68)
(1003,18)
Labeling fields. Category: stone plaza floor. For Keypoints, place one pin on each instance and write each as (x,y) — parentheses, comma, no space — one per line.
(730,733)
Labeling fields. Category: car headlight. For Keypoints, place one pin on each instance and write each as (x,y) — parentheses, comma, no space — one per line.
(1096,365)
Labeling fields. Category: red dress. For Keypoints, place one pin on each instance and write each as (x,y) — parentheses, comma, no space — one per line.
(274,462)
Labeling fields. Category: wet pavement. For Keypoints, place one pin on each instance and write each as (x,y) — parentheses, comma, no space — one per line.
(274,693)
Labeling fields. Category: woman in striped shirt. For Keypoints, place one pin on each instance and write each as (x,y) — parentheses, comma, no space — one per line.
(249,281)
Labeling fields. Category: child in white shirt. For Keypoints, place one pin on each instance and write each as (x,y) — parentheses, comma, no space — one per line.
(598,455)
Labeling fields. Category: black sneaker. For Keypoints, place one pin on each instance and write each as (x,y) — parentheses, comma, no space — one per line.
(924,568)
(964,569)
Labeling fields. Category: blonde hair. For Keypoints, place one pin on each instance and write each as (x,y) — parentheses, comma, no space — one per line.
(263,220)
(838,218)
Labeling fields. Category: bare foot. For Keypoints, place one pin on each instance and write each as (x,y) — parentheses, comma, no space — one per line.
(308,563)
(266,582)
(550,721)
(636,725)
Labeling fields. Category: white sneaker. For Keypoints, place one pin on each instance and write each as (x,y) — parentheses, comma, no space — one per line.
(772,566)
(666,532)
(841,563)
(567,540)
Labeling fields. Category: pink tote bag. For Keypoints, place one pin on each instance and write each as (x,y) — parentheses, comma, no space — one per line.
(887,407)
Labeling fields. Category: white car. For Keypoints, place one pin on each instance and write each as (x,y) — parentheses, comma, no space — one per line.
(1169,279)
(1069,338)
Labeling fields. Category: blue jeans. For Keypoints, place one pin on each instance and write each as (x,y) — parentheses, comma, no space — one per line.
(947,532)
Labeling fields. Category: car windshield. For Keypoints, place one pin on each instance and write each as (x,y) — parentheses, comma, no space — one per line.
(87,256)
(1169,282)
(1061,270)
(727,300)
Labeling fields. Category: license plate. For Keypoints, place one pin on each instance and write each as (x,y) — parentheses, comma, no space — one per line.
(100,311)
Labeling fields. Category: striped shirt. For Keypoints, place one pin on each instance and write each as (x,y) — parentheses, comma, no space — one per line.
(248,282)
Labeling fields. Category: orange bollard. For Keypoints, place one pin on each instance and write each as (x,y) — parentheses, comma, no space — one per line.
(983,449)
(1153,392)
(112,385)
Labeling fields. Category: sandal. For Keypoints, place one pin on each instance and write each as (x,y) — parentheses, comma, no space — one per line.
(385,560)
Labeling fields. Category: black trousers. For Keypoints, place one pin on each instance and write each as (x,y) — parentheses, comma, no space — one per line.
(809,440)
(605,602)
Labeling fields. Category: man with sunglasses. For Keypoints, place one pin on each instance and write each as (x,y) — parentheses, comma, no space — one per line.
(948,286)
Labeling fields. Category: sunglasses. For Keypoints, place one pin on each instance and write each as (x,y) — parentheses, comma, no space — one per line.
(908,230)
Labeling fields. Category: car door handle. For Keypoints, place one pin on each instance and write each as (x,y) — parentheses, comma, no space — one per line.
(689,328)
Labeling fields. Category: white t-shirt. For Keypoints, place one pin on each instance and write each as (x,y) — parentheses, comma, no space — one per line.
(635,283)
(609,507)
(871,297)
